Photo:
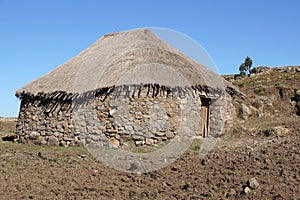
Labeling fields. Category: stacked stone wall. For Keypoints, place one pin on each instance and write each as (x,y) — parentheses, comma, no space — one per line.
(112,120)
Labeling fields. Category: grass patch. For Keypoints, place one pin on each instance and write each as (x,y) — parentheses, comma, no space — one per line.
(258,90)
(241,84)
(131,147)
(8,126)
(196,145)
(226,137)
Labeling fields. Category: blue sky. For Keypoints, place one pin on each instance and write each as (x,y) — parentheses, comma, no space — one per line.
(38,35)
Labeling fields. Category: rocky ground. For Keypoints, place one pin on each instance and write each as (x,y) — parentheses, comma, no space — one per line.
(258,159)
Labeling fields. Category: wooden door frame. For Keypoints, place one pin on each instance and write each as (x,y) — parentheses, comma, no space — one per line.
(205,114)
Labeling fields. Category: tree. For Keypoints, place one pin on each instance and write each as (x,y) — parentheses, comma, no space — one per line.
(246,66)
(242,69)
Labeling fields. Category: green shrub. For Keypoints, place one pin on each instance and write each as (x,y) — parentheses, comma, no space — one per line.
(297,95)
(196,148)
(241,84)
(298,108)
(257,90)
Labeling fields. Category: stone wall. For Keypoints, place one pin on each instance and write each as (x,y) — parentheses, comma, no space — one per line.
(45,121)
(114,120)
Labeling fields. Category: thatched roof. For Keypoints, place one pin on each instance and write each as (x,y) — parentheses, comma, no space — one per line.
(117,59)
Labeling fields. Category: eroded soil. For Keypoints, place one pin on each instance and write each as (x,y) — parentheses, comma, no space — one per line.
(42,172)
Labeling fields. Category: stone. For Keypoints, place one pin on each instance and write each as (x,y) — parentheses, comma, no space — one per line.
(139,142)
(139,113)
(67,139)
(34,135)
(114,143)
(81,143)
(253,183)
(137,122)
(111,131)
(160,133)
(103,128)
(62,143)
(137,136)
(148,134)
(41,140)
(138,128)
(128,128)
(247,190)
(34,118)
(75,139)
(53,141)
(43,133)
(166,125)
(149,141)
(246,111)
(60,129)
(169,135)
(94,144)
(64,125)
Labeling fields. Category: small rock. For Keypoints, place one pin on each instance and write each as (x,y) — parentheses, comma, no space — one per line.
(82,156)
(62,143)
(53,141)
(34,135)
(139,173)
(64,125)
(94,144)
(232,192)
(137,136)
(68,139)
(81,143)
(247,190)
(128,128)
(184,101)
(111,131)
(170,135)
(160,133)
(41,140)
(246,111)
(139,143)
(114,143)
(253,183)
(149,141)
(138,128)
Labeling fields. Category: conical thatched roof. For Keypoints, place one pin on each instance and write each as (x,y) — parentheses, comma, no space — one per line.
(106,62)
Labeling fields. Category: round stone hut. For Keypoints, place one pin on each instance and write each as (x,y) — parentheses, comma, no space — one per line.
(127,87)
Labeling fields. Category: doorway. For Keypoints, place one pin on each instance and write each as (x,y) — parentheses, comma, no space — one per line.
(205,102)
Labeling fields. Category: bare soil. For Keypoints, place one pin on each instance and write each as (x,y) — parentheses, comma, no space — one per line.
(266,148)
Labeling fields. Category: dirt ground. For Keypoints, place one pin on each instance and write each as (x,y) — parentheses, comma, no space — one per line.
(42,172)
(266,148)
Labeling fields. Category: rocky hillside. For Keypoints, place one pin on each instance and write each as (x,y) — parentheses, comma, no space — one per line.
(272,96)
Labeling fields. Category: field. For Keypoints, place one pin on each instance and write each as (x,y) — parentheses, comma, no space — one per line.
(264,144)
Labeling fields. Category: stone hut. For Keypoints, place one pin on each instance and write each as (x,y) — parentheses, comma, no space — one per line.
(127,87)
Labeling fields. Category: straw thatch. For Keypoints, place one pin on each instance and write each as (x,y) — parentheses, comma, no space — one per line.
(108,61)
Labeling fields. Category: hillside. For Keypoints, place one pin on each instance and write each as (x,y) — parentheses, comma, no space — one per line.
(263,143)
(272,98)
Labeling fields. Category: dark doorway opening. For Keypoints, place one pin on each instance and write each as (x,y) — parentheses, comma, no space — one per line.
(205,102)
